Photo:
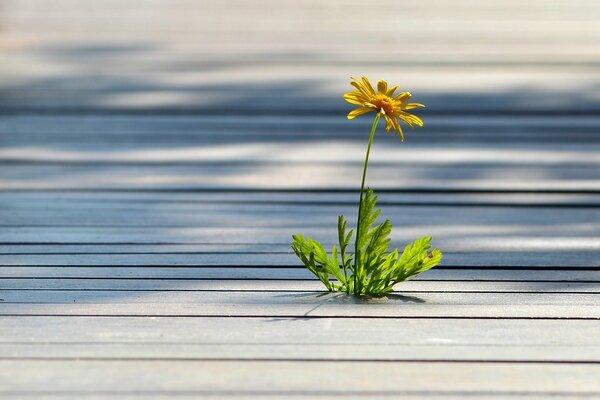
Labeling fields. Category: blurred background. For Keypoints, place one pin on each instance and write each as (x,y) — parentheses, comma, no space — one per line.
(275,57)
(248,94)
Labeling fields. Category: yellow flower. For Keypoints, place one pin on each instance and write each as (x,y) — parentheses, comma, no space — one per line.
(391,107)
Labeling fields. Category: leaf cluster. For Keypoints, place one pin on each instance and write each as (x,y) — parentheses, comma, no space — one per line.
(371,269)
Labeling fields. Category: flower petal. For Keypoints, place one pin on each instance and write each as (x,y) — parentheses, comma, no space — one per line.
(415,120)
(388,123)
(390,92)
(361,89)
(368,86)
(359,111)
(403,96)
(381,87)
(355,98)
(399,130)
(410,106)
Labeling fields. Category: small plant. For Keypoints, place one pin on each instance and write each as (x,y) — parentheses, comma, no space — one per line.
(370,269)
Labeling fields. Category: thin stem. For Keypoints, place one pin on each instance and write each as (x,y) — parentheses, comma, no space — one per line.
(357,265)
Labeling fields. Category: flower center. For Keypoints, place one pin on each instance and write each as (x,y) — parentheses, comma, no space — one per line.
(384,103)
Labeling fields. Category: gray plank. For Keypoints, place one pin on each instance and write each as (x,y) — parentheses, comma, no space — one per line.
(483,259)
(408,332)
(107,131)
(278,235)
(293,351)
(521,244)
(387,150)
(284,215)
(285,273)
(301,305)
(311,339)
(117,248)
(306,177)
(420,285)
(272,90)
(109,200)
(261,377)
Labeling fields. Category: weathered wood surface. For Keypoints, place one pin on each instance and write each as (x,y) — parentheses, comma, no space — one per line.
(301,305)
(445,283)
(155,160)
(309,378)
(308,338)
(295,272)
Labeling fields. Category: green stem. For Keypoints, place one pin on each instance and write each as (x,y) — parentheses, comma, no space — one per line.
(357,265)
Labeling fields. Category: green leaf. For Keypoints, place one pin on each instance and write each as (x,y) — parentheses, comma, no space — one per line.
(312,254)
(368,216)
(344,241)
(416,259)
(378,242)
(305,250)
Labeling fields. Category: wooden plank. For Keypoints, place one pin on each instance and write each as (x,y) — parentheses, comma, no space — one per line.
(521,244)
(407,332)
(276,235)
(108,131)
(108,200)
(284,273)
(293,297)
(415,286)
(306,177)
(275,215)
(471,91)
(165,272)
(311,339)
(306,151)
(288,378)
(339,146)
(301,352)
(381,352)
(301,305)
(519,227)
(14,249)
(517,258)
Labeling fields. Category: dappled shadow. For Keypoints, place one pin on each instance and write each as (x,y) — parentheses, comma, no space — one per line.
(144,115)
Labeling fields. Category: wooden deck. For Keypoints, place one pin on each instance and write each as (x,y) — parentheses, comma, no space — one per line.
(155,158)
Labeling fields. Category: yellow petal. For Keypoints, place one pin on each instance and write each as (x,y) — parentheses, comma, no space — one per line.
(410,106)
(415,120)
(359,111)
(390,92)
(388,123)
(361,89)
(404,117)
(396,125)
(382,87)
(400,132)
(368,86)
(403,96)
(354,98)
